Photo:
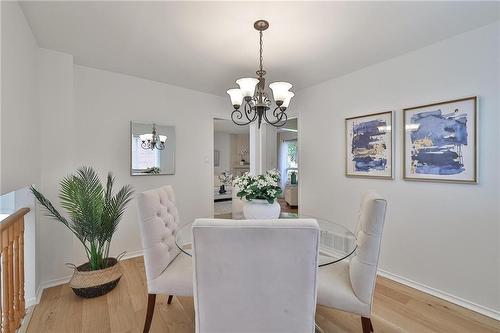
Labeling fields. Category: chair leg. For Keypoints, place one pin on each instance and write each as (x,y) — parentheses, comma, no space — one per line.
(366,323)
(149,312)
(169,301)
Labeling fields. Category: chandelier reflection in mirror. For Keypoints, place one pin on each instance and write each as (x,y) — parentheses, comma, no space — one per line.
(252,93)
(153,140)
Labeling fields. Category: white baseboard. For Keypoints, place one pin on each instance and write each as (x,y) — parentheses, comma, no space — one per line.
(45,285)
(443,295)
(56,282)
(26,320)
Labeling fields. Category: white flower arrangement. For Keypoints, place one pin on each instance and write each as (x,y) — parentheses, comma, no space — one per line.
(261,187)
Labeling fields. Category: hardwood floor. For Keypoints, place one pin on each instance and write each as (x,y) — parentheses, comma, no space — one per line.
(397,308)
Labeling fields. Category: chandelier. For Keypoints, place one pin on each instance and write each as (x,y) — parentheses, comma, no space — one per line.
(153,140)
(252,93)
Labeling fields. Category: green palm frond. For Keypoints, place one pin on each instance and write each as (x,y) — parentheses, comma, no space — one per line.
(94,212)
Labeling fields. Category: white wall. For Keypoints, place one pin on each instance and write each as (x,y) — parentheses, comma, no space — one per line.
(20,128)
(105,102)
(444,236)
(92,109)
(20,118)
(63,116)
(58,148)
(222,143)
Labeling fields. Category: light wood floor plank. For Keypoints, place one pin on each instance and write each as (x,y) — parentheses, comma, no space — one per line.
(397,309)
(70,313)
(120,305)
(96,315)
(44,317)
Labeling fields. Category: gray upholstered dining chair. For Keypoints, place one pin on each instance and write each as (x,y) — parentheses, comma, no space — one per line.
(349,286)
(255,275)
(167,272)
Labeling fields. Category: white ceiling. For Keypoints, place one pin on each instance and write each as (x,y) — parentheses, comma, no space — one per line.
(207,45)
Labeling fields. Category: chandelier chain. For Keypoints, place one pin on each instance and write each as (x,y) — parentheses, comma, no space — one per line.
(260,51)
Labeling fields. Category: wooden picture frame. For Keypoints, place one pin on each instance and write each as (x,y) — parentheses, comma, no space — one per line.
(369,146)
(440,142)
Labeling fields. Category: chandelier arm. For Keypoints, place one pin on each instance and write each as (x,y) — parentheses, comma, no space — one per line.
(279,118)
(283,114)
(236,115)
(276,113)
(248,112)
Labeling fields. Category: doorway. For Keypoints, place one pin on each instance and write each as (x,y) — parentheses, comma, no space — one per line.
(231,159)
(288,165)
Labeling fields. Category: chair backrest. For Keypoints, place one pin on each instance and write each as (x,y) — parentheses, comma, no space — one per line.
(363,266)
(365,197)
(159,221)
(255,275)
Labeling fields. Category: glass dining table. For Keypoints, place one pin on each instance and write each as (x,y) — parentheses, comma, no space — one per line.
(336,241)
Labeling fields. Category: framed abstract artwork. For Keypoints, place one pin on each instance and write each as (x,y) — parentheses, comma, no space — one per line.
(370,145)
(440,142)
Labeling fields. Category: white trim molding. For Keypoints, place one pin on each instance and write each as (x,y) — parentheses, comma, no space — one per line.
(441,294)
(48,284)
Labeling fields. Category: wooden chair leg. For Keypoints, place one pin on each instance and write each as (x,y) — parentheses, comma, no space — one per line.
(366,323)
(169,301)
(149,312)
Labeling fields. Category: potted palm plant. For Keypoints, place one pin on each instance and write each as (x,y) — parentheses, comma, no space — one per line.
(94,212)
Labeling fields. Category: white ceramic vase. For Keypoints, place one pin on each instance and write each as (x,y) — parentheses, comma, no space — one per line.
(261,209)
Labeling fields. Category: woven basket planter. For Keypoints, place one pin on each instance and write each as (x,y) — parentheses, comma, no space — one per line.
(89,284)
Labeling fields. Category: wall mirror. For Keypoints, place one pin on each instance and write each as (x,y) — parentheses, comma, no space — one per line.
(152,149)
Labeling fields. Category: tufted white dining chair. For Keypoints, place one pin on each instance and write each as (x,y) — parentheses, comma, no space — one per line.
(349,286)
(167,272)
(255,275)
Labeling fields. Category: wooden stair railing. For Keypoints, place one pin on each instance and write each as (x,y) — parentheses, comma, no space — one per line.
(12,271)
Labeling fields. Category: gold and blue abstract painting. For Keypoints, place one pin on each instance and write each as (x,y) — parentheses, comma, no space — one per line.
(440,141)
(369,145)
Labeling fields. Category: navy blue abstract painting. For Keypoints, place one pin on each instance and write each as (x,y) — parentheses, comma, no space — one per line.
(370,145)
(440,141)
(437,142)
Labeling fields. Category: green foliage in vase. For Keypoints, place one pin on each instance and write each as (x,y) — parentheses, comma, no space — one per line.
(94,211)
(261,187)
